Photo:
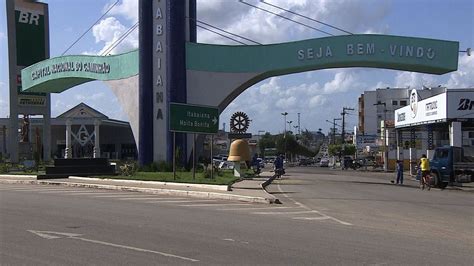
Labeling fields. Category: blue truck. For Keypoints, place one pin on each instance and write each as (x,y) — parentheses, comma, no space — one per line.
(452,165)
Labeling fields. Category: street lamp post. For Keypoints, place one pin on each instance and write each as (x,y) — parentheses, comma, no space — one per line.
(284,132)
(289,126)
(259,138)
(385,134)
(296,129)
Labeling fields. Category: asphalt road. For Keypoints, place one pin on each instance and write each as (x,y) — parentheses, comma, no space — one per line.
(326,218)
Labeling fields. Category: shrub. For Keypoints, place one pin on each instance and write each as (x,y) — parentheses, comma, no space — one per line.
(128,168)
(4,168)
(161,166)
(164,166)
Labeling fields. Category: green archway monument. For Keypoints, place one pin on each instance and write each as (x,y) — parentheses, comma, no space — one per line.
(217,74)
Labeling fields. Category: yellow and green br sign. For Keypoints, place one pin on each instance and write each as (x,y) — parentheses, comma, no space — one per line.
(29,26)
(193,118)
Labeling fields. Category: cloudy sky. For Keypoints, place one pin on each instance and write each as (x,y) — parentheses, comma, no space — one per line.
(317,95)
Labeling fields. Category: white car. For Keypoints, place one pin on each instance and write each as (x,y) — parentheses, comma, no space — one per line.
(324,162)
(226,165)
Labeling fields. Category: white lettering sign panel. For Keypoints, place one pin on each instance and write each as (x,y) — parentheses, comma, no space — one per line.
(430,110)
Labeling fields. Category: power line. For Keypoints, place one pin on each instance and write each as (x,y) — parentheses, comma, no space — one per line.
(233,34)
(120,39)
(303,16)
(220,34)
(281,16)
(80,37)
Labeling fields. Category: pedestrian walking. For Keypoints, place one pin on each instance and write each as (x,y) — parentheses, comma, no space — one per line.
(399,172)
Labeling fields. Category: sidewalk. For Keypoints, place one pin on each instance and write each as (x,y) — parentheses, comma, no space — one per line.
(411,181)
(245,190)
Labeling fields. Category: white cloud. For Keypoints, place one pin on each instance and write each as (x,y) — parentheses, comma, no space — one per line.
(360,16)
(464,77)
(415,80)
(287,103)
(93,97)
(317,101)
(343,81)
(109,30)
(127,9)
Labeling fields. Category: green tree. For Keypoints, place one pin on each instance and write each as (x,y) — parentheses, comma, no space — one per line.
(336,149)
(266,141)
(306,138)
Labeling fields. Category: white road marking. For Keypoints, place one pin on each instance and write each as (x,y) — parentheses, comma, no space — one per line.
(309,209)
(56,235)
(179,201)
(59,191)
(282,213)
(253,208)
(212,205)
(111,195)
(40,189)
(149,198)
(232,240)
(312,218)
(87,193)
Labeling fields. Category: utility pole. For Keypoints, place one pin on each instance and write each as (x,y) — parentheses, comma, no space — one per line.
(333,129)
(344,109)
(299,127)
(384,133)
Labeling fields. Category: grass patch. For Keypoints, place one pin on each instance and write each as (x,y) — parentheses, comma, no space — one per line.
(224,177)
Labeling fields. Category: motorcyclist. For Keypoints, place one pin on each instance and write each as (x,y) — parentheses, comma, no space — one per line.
(278,165)
(256,164)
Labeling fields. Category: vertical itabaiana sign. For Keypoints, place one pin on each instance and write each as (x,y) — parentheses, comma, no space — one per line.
(28,43)
(160,93)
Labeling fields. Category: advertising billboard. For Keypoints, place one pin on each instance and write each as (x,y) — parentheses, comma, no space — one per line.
(461,104)
(430,110)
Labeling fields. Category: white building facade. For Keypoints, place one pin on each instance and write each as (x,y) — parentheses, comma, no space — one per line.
(377,120)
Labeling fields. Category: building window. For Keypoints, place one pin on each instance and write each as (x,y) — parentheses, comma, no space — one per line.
(403,103)
(395,103)
(471,135)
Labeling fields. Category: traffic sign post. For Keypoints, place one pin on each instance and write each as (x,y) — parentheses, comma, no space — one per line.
(194,119)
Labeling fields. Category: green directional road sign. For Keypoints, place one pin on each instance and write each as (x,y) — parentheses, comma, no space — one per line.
(193,118)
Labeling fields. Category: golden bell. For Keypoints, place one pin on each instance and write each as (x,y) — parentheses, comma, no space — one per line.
(239,151)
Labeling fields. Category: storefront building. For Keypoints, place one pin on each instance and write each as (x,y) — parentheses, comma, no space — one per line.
(440,120)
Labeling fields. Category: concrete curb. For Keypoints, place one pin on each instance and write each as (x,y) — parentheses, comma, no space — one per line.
(138,182)
(267,183)
(162,191)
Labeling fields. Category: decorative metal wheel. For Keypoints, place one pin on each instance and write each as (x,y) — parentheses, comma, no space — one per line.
(239,122)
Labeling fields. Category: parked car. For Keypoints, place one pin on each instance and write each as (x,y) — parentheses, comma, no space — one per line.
(304,162)
(324,162)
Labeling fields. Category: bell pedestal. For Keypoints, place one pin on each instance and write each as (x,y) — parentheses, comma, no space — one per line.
(237,169)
